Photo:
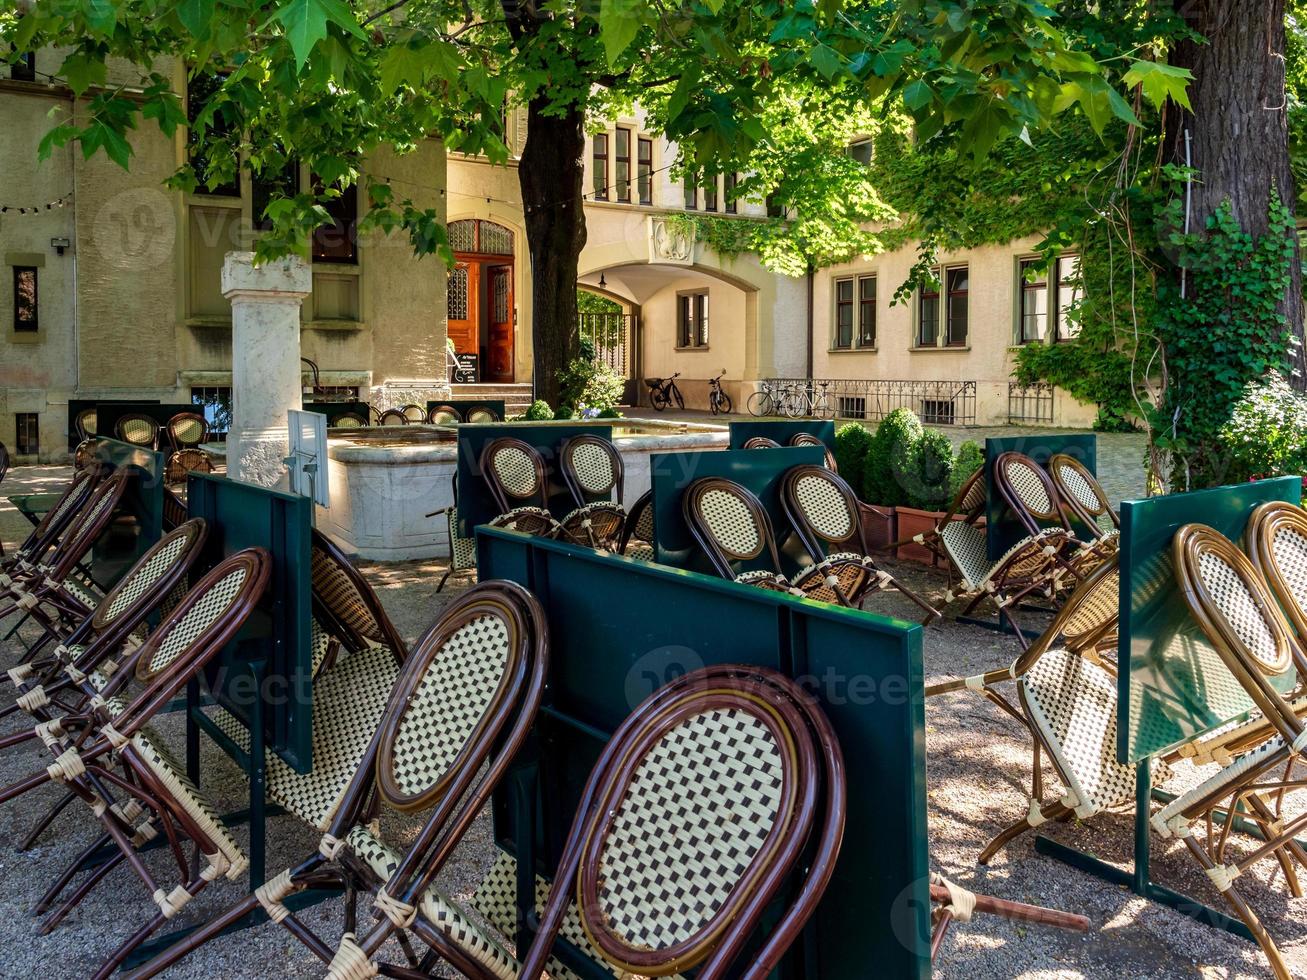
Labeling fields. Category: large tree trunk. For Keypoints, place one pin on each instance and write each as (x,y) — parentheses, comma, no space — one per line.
(1239,133)
(551,173)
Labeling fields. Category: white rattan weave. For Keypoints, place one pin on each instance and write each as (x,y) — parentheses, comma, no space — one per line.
(142,580)
(1028,486)
(1074,481)
(730,522)
(138,431)
(216,601)
(515,471)
(1238,607)
(593,468)
(825,507)
(1289,551)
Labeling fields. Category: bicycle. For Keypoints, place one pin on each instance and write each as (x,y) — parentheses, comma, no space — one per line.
(805,400)
(719,403)
(663,391)
(768,400)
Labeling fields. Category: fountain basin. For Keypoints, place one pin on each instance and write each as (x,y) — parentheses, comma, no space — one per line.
(385,480)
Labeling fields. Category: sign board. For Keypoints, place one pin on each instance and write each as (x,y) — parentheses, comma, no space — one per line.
(307,462)
(466,369)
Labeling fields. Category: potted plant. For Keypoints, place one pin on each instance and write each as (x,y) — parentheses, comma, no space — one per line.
(852,444)
(933,475)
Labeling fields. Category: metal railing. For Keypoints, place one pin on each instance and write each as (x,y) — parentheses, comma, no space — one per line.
(935,402)
(1029,404)
(611,334)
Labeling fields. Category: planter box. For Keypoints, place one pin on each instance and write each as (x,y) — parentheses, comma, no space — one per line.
(880,525)
(911,523)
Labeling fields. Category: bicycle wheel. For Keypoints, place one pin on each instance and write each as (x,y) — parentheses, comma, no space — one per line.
(724,403)
(760,404)
(658,399)
(680,401)
(795,405)
(825,407)
(712,401)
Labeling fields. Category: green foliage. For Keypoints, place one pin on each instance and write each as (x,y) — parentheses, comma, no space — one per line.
(610,413)
(588,302)
(539,411)
(1225,332)
(1267,433)
(882,481)
(925,468)
(970,457)
(852,442)
(588,386)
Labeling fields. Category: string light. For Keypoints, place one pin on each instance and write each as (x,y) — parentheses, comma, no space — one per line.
(33,209)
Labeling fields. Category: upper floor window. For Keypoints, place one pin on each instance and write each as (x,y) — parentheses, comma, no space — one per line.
(600,176)
(729,182)
(622,163)
(855,312)
(860,150)
(644,170)
(1043,296)
(710,194)
(199,91)
(692,320)
(958,283)
(25,299)
(338,241)
(691,192)
(1033,327)
(24,69)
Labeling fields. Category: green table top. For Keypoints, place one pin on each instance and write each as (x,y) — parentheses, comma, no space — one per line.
(34,505)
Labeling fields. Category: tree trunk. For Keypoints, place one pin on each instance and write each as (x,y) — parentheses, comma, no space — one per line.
(1239,132)
(551,173)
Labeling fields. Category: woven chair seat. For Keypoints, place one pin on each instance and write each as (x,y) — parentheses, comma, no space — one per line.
(1168,820)
(81,593)
(348,701)
(463,550)
(967,549)
(603,520)
(765,580)
(1073,704)
(437,908)
(527,520)
(852,571)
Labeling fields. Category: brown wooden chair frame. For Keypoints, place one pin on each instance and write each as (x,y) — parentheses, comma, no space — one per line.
(639,525)
(526,511)
(83,430)
(1088,512)
(598,518)
(437,415)
(178,442)
(352,420)
(761,442)
(392,416)
(721,556)
(808,439)
(47,531)
(475,413)
(415,414)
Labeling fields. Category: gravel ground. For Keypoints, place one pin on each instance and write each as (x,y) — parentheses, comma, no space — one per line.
(978,765)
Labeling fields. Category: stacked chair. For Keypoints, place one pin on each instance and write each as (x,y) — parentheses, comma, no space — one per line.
(808,439)
(592,470)
(637,539)
(1033,498)
(444,415)
(516,474)
(186,432)
(138,429)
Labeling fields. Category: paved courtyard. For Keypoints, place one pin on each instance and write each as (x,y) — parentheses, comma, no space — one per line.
(977,766)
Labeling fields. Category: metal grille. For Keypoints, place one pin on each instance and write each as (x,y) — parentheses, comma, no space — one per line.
(1029,404)
(475,235)
(611,335)
(495,239)
(215,403)
(937,402)
(458,292)
(28,435)
(500,298)
(462,236)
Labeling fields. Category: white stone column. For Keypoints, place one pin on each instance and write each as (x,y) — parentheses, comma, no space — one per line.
(265,361)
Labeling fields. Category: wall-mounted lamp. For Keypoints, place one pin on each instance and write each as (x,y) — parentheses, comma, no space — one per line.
(603,283)
(59,244)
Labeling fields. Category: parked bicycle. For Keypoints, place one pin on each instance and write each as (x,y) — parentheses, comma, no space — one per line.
(769,399)
(663,391)
(807,400)
(719,403)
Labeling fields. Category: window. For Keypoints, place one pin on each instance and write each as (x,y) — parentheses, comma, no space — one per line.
(25,319)
(851,407)
(710,194)
(28,433)
(599,179)
(729,183)
(775,208)
(928,316)
(338,241)
(843,314)
(1034,302)
(199,90)
(691,192)
(214,402)
(860,150)
(936,411)
(692,320)
(263,186)
(644,170)
(1068,294)
(958,282)
(866,311)
(622,161)
(24,69)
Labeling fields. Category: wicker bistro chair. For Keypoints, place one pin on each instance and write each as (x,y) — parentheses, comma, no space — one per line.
(27,556)
(348,420)
(1239,616)
(138,429)
(444,415)
(824,513)
(1030,494)
(968,506)
(86,455)
(480,414)
(761,442)
(84,424)
(392,416)
(458,713)
(729,523)
(1084,496)
(186,430)
(637,539)
(183,462)
(416,414)
(593,472)
(515,473)
(808,439)
(123,774)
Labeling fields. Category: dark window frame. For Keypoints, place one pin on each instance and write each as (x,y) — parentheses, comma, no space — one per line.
(23,324)
(644,169)
(27,433)
(690,187)
(599,161)
(711,198)
(866,312)
(844,311)
(344,211)
(1060,332)
(219,125)
(925,295)
(730,204)
(1026,310)
(692,320)
(952,293)
(855,148)
(24,69)
(621,160)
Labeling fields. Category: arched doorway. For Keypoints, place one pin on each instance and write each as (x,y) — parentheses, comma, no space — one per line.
(482,314)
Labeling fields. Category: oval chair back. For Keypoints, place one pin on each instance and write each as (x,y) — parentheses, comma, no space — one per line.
(480,414)
(1082,493)
(515,473)
(760,442)
(823,509)
(696,818)
(186,430)
(808,439)
(156,574)
(349,420)
(444,415)
(186,461)
(84,423)
(592,469)
(1028,491)
(49,527)
(87,526)
(343,597)
(138,429)
(414,413)
(730,524)
(392,416)
(1276,541)
(639,523)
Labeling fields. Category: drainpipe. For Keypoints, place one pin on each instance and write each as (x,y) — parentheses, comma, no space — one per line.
(811,273)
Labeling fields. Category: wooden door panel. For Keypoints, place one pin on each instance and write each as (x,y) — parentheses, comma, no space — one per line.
(464,313)
(500,298)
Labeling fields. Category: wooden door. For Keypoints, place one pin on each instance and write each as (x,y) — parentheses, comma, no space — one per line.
(500,333)
(464,307)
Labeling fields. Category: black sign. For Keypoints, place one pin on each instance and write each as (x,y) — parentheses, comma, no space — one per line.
(465,373)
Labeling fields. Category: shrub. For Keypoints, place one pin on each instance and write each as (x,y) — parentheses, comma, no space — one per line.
(1267,432)
(851,444)
(970,457)
(882,476)
(587,384)
(925,468)
(611,413)
(538,412)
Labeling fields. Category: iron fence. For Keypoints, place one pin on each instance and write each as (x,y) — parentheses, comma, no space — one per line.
(935,402)
(1029,404)
(611,334)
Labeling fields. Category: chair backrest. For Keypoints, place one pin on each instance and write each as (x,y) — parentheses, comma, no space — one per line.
(515,472)
(1091,613)
(138,429)
(185,461)
(84,423)
(480,413)
(1081,491)
(1027,489)
(349,601)
(639,522)
(348,420)
(444,415)
(1232,604)
(187,429)
(729,523)
(155,574)
(87,526)
(86,455)
(822,508)
(720,793)
(592,469)
(760,442)
(808,439)
(1276,541)
(414,413)
(175,513)
(392,416)
(57,517)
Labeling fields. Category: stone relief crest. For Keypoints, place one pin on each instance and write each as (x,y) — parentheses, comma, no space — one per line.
(671,243)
